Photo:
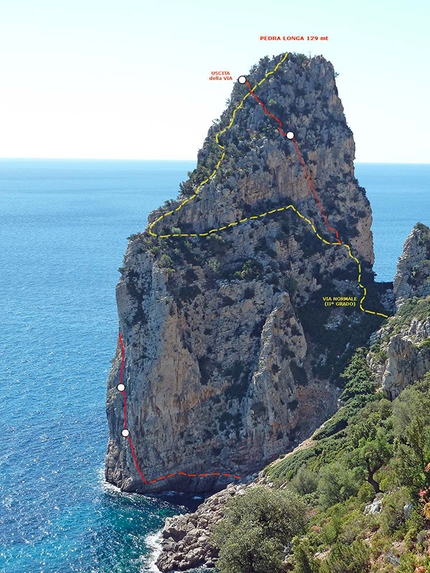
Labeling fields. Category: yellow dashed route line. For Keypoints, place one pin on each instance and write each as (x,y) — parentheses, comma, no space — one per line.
(255,217)
(214,172)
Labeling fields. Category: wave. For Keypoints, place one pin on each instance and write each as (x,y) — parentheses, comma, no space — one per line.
(153,543)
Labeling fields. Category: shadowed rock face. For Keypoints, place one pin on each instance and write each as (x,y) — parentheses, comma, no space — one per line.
(230,356)
(400,358)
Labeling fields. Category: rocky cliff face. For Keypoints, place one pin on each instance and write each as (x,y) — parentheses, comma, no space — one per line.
(399,356)
(230,351)
(404,342)
(413,269)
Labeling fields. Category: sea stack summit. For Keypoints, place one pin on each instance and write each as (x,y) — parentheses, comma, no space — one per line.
(228,354)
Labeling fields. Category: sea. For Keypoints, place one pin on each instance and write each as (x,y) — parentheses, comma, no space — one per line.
(63,233)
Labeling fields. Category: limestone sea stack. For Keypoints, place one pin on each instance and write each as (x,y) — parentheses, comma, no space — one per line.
(233,340)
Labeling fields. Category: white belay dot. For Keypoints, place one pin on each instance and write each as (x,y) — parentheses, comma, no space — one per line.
(290,135)
(125,433)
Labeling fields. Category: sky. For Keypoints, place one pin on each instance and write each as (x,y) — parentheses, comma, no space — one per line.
(106,79)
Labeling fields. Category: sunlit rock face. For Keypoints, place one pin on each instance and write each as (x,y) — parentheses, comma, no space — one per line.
(230,355)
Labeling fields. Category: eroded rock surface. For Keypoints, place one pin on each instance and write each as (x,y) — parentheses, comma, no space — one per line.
(186,538)
(413,269)
(404,341)
(231,354)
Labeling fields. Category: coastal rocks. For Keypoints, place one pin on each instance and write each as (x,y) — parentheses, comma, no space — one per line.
(185,538)
(230,354)
(413,269)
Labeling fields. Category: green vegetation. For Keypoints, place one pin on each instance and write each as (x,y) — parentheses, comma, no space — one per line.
(359,389)
(378,353)
(165,262)
(256,528)
(251,269)
(371,447)
(425,344)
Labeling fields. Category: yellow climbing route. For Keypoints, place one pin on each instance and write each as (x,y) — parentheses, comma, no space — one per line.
(214,172)
(261,215)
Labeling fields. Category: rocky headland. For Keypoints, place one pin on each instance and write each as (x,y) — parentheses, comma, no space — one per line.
(242,303)
(231,351)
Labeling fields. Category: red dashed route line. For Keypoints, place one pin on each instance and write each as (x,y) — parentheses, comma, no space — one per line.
(126,433)
(290,135)
(121,386)
(121,374)
(299,155)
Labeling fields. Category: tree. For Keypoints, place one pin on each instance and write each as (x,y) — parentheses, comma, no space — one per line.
(411,413)
(337,483)
(247,550)
(255,530)
(371,455)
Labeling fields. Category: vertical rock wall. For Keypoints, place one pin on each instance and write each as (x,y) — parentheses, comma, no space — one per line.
(230,355)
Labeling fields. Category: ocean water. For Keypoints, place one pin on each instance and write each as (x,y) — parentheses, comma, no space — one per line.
(63,235)
(399,195)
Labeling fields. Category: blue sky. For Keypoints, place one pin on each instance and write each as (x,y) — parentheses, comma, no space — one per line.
(129,80)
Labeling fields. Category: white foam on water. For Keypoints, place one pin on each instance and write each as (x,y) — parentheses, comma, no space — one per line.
(153,543)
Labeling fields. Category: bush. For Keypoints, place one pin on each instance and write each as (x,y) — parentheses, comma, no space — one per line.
(214,265)
(248,550)
(256,528)
(411,412)
(410,563)
(305,481)
(359,377)
(366,493)
(336,484)
(165,262)
(392,514)
(347,558)
(250,270)
(303,558)
(359,389)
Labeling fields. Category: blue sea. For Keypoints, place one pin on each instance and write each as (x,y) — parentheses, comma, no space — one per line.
(63,234)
